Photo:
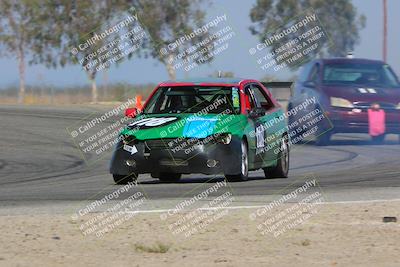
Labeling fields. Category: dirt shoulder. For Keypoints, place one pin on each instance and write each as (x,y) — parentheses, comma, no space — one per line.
(335,235)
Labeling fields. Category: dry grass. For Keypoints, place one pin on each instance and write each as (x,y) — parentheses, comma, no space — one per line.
(157,248)
(74,95)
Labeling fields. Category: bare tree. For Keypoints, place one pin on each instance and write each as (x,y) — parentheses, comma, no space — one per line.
(73,25)
(17,29)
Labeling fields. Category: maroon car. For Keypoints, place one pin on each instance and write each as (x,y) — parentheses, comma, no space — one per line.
(346,89)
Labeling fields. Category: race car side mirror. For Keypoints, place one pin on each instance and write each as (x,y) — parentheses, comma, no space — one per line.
(131,112)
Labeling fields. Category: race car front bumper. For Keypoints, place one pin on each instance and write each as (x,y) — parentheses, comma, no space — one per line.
(159,156)
(348,121)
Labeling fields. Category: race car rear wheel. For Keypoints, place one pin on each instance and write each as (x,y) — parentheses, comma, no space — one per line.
(124,179)
(169,177)
(244,166)
(281,170)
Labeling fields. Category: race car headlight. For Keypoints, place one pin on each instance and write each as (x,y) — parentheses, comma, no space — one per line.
(224,138)
(341,102)
(398,106)
(128,139)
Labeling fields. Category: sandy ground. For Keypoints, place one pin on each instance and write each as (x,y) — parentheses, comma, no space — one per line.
(335,235)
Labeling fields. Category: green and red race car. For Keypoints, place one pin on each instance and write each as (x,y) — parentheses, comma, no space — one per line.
(213,126)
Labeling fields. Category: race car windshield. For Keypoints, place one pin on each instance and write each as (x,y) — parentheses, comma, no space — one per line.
(192,99)
(380,75)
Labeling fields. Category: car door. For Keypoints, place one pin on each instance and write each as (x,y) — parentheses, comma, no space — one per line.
(252,121)
(273,126)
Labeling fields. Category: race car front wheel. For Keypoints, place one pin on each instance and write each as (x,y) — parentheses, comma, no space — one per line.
(281,170)
(244,166)
(124,179)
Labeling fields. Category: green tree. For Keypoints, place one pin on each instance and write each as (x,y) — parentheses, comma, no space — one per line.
(339,19)
(48,30)
(18,29)
(166,22)
(72,24)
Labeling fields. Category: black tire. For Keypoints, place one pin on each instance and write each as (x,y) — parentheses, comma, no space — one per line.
(324,131)
(323,139)
(169,177)
(281,170)
(124,179)
(244,163)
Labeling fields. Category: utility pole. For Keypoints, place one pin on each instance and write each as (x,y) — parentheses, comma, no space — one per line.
(384,48)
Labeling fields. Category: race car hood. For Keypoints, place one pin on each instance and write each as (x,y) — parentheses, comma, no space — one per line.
(155,126)
(364,93)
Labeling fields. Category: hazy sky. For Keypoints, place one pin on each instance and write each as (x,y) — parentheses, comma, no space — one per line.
(236,58)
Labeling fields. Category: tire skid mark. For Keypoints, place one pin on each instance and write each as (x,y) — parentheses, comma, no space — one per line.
(350,156)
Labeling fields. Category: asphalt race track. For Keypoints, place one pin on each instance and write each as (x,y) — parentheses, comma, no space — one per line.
(39,163)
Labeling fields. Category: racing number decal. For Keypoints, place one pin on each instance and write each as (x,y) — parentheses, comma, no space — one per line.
(260,136)
(152,122)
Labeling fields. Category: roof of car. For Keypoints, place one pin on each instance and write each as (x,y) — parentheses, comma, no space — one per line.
(351,60)
(199,81)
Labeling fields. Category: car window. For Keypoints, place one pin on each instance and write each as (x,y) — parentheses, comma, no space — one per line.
(360,74)
(314,73)
(389,75)
(192,99)
(304,72)
(250,97)
(261,97)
